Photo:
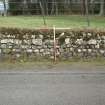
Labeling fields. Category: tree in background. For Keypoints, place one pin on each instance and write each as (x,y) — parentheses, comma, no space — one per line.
(102,4)
(5,9)
(56,7)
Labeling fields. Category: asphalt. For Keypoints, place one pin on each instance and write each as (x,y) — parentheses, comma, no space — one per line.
(52,87)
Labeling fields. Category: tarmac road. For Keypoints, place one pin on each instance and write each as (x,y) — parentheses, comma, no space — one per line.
(52,88)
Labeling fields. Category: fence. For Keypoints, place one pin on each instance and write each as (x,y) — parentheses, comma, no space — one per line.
(53,8)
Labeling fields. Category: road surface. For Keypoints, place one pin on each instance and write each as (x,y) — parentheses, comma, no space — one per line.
(52,87)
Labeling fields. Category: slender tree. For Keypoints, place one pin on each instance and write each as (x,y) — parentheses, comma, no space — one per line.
(102,4)
(5,9)
(87,12)
(92,3)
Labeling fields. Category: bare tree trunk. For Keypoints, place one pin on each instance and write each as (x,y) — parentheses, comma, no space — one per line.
(83,8)
(5,9)
(56,6)
(92,2)
(52,9)
(25,6)
(43,13)
(67,5)
(87,12)
(47,7)
(102,7)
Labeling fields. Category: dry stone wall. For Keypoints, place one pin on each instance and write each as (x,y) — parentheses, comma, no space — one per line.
(18,44)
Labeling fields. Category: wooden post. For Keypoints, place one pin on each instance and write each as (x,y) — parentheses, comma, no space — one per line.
(55,58)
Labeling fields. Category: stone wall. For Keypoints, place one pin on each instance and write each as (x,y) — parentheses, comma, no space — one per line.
(16,44)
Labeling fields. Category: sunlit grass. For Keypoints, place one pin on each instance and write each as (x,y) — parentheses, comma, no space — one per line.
(73,21)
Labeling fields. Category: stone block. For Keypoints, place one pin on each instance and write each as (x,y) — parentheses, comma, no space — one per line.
(41,36)
(9,46)
(3,46)
(97,46)
(71,49)
(33,36)
(37,42)
(89,50)
(6,51)
(89,34)
(92,41)
(4,41)
(41,50)
(68,45)
(17,41)
(39,47)
(49,42)
(36,50)
(67,40)
(18,55)
(24,46)
(84,50)
(29,50)
(17,50)
(79,41)
(44,46)
(102,51)
(79,50)
(34,47)
(11,41)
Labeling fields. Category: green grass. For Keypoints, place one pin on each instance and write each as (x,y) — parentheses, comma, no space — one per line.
(59,21)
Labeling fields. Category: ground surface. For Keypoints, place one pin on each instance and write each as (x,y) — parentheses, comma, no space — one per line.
(58,21)
(53,85)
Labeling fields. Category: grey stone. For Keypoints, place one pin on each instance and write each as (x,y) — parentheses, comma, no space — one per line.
(11,41)
(4,41)
(37,41)
(57,46)
(44,46)
(39,47)
(9,46)
(18,55)
(79,41)
(24,46)
(26,36)
(41,50)
(3,46)
(29,50)
(25,41)
(79,50)
(71,49)
(17,41)
(89,50)
(102,51)
(6,51)
(92,41)
(51,50)
(84,50)
(97,46)
(33,36)
(36,50)
(89,34)
(41,36)
(67,40)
